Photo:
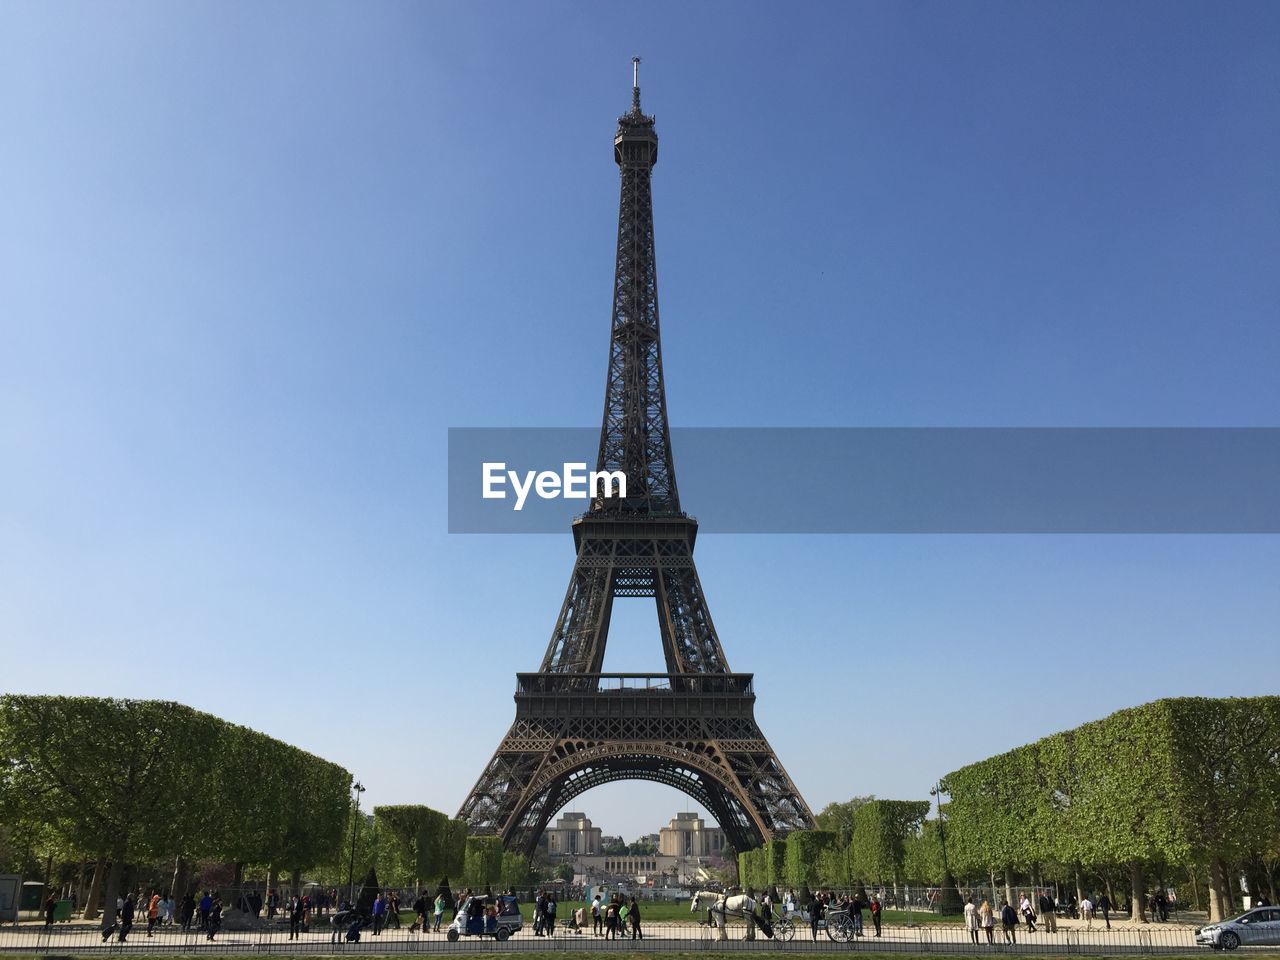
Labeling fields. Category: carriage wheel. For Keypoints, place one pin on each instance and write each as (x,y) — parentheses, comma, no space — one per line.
(502,933)
(840,930)
(784,929)
(453,935)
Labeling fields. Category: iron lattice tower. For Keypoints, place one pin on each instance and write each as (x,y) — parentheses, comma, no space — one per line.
(693,727)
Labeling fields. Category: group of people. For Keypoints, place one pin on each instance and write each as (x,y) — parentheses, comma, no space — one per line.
(983,917)
(423,911)
(160,910)
(610,918)
(825,903)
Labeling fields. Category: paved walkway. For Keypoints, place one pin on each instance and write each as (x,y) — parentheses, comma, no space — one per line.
(938,938)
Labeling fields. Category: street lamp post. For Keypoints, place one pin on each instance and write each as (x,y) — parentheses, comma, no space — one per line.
(351,866)
(943,899)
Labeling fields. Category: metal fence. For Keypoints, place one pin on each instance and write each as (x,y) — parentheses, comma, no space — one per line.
(323,938)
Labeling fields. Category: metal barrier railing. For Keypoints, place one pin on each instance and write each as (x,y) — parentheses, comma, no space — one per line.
(79,938)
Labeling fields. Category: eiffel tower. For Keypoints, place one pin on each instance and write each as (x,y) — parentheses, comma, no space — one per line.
(692,728)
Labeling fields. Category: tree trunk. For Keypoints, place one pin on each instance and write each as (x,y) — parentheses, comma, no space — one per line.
(1008,883)
(1194,879)
(78,893)
(114,874)
(1234,894)
(1137,890)
(1079,878)
(1271,881)
(181,879)
(95,891)
(1219,892)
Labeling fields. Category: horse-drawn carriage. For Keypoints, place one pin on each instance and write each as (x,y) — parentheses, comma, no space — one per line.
(721,906)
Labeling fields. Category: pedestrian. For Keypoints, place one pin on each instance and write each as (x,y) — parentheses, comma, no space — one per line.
(988,919)
(1104,906)
(596,919)
(970,919)
(633,917)
(166,909)
(206,906)
(439,910)
(1086,912)
(1047,912)
(875,911)
(379,914)
(1008,921)
(50,908)
(126,917)
(611,919)
(815,916)
(296,914)
(1028,914)
(187,912)
(392,910)
(215,917)
(153,912)
(549,922)
(539,913)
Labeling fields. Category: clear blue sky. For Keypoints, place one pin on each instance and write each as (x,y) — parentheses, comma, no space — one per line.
(256,259)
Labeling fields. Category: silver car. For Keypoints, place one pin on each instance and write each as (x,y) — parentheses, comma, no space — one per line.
(1259,927)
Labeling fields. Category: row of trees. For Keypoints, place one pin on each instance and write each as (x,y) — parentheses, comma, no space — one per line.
(423,848)
(1179,788)
(866,841)
(1191,783)
(129,781)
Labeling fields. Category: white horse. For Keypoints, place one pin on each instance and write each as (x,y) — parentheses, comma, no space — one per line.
(720,905)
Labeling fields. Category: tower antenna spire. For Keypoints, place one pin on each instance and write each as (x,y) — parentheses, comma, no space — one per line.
(635,84)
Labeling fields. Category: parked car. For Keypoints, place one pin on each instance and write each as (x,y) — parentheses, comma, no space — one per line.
(1259,927)
(474,919)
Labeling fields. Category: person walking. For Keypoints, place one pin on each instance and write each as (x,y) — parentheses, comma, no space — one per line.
(611,919)
(153,912)
(596,919)
(815,916)
(1048,914)
(1028,914)
(988,920)
(1104,905)
(296,913)
(550,920)
(206,907)
(633,917)
(439,912)
(1086,912)
(970,919)
(215,917)
(126,917)
(50,908)
(875,911)
(1008,921)
(188,911)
